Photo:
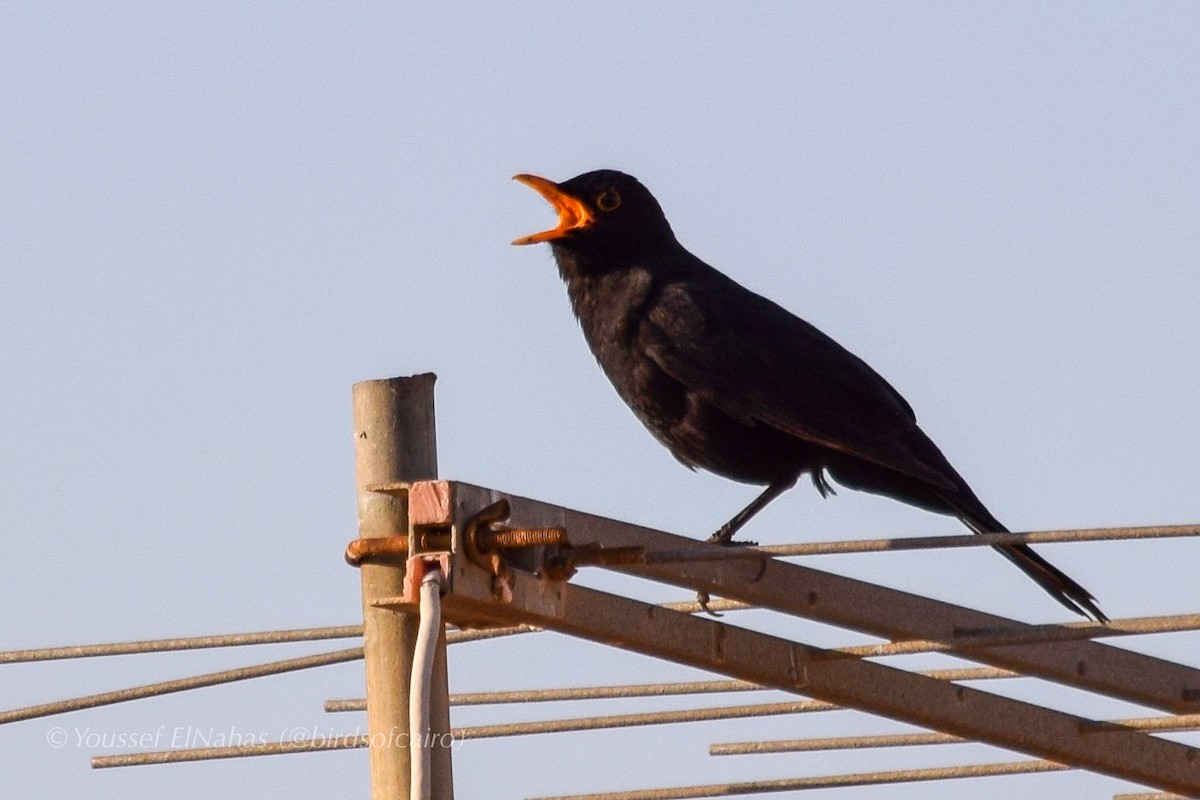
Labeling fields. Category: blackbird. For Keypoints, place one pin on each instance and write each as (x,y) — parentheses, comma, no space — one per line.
(733,383)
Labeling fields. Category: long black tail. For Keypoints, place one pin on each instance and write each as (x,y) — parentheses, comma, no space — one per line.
(1060,586)
(1057,583)
(962,503)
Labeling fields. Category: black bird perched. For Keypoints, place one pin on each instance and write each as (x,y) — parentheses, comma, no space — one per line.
(731,382)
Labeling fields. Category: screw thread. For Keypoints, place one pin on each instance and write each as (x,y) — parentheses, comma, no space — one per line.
(523,537)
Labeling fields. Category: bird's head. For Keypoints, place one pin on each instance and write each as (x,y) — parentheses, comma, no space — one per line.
(603,210)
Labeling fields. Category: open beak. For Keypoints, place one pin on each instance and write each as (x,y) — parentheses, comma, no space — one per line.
(572,213)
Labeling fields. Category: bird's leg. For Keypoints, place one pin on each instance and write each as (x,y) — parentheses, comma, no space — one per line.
(777,487)
(725,534)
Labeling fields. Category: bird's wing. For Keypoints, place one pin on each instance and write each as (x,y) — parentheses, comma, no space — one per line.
(757,361)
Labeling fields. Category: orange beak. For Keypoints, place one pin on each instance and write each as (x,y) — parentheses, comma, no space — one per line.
(572,213)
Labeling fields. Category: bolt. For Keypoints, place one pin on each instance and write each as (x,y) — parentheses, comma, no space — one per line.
(508,538)
(394,548)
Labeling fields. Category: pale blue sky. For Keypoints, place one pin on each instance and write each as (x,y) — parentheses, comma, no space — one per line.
(214,218)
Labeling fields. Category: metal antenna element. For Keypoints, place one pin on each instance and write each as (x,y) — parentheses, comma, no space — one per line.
(508,565)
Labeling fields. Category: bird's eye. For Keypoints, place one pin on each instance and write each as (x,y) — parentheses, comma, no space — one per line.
(608,200)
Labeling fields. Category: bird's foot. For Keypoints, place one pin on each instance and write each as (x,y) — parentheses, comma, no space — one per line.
(725,539)
(703,598)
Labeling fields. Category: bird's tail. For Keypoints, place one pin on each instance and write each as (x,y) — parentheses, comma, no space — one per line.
(1057,583)
(1060,586)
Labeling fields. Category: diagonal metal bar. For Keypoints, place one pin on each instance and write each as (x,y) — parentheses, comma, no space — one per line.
(180,643)
(861,606)
(180,685)
(316,744)
(790,666)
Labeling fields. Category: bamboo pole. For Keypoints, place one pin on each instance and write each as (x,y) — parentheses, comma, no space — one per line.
(395,440)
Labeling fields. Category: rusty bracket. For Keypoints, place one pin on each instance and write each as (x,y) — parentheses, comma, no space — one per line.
(415,570)
(485,539)
(394,549)
(445,521)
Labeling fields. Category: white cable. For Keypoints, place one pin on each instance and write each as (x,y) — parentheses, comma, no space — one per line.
(420,746)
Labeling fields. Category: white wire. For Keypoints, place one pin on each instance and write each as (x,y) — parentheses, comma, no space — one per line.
(420,747)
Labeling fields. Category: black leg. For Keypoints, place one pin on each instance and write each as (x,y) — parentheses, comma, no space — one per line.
(725,535)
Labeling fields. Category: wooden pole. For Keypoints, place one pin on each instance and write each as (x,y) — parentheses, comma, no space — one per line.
(395,440)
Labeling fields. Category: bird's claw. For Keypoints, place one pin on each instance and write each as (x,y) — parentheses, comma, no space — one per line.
(726,540)
(702,597)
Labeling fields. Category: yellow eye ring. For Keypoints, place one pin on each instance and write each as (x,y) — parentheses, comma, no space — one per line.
(608,200)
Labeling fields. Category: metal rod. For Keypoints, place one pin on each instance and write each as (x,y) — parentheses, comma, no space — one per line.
(180,685)
(313,745)
(456,637)
(638,720)
(715,790)
(968,639)
(696,607)
(224,676)
(926,543)
(830,743)
(605,692)
(318,743)
(825,782)
(686,606)
(475,732)
(1049,633)
(578,693)
(1182,722)
(667,689)
(359,704)
(243,639)
(649,690)
(187,643)
(1186,722)
(596,723)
